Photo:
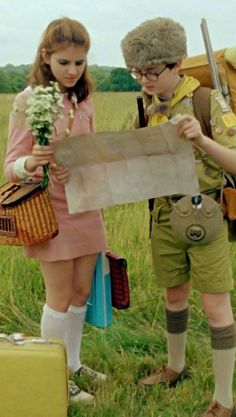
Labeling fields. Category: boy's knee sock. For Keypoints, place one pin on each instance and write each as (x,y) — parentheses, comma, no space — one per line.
(177,323)
(223,343)
(76,318)
(53,323)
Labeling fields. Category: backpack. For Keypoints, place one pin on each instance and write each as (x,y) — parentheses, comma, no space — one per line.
(198,67)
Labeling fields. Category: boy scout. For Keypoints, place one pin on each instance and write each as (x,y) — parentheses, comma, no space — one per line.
(153,52)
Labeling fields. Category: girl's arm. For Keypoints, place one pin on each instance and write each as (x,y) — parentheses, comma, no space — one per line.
(19,148)
(23,157)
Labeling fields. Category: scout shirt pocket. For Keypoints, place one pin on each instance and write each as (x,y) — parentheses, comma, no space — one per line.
(209,174)
(223,121)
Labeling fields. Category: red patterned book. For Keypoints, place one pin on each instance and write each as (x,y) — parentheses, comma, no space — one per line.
(119,281)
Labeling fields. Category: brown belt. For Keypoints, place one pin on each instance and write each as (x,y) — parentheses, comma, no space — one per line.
(173,198)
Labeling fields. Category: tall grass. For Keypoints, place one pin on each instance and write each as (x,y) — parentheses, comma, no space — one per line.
(135,343)
(114,111)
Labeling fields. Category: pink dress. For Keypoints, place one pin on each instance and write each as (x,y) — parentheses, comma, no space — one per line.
(79,234)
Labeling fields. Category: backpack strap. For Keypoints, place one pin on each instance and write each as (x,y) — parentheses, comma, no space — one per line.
(201,108)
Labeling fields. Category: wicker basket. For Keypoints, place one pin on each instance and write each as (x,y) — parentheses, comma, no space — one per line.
(26,214)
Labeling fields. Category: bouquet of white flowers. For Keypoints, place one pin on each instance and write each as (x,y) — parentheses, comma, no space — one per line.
(44,108)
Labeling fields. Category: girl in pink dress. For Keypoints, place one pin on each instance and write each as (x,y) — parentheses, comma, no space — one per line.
(67,262)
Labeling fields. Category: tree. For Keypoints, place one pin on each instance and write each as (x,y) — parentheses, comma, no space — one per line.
(121,80)
(99,77)
(4,83)
(14,78)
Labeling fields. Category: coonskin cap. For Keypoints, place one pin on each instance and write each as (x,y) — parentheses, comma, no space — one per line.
(155,41)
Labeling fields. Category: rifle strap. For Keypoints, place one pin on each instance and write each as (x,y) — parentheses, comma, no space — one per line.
(201,108)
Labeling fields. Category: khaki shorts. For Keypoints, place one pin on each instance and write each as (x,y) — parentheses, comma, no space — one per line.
(208,266)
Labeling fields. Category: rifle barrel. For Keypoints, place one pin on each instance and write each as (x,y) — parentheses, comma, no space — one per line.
(210,56)
(212,63)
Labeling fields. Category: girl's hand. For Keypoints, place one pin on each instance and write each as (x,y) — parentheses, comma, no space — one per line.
(61,173)
(190,127)
(41,155)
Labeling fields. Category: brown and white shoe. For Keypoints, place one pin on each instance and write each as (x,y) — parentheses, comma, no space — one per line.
(217,410)
(96,376)
(78,395)
(165,376)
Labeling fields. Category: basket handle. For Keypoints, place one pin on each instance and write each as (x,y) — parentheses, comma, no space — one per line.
(7,193)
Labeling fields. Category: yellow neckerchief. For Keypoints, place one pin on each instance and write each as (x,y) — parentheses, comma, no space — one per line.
(184,89)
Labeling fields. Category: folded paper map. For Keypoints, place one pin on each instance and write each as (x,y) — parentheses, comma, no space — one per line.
(109,168)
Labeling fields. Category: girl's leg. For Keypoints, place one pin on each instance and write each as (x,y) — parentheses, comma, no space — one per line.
(58,284)
(82,280)
(56,319)
(53,323)
(58,280)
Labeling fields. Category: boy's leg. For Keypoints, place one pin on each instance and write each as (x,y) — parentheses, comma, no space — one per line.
(223,351)
(223,343)
(176,322)
(172,271)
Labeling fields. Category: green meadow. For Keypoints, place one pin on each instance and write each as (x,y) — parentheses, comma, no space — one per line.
(134,344)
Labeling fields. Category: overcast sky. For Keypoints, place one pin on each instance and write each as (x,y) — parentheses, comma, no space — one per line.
(23,21)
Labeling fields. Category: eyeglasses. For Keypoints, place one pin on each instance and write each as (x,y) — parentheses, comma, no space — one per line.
(151,76)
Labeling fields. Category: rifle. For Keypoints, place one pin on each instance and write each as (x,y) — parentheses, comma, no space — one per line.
(141,115)
(223,88)
(143,123)
(217,84)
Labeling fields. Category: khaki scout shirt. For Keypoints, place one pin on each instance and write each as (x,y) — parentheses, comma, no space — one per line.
(223,125)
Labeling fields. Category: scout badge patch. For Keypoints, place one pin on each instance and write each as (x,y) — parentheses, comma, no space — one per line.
(196,219)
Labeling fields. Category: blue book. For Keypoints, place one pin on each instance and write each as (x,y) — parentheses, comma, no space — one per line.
(99,306)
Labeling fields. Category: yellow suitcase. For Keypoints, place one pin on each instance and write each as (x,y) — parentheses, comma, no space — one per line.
(33,377)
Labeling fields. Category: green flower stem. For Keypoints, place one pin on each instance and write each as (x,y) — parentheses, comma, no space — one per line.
(42,140)
(45,180)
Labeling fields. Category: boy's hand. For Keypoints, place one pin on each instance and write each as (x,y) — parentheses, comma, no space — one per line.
(190,127)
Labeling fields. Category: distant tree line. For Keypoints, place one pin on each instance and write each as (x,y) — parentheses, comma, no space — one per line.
(14,78)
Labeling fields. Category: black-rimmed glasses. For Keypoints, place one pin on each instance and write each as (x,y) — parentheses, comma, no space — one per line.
(151,76)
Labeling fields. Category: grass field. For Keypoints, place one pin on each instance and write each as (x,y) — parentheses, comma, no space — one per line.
(135,343)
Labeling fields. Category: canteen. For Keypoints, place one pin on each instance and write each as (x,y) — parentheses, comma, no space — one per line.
(196,219)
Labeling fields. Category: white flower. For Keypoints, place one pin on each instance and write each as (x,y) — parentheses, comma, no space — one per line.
(44,108)
(45,105)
